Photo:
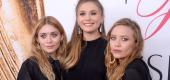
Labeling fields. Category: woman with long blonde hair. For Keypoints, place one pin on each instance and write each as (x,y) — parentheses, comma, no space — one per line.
(48,48)
(85,58)
(123,52)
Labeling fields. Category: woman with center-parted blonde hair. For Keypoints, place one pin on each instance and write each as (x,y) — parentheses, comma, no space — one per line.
(48,46)
(85,58)
(124,50)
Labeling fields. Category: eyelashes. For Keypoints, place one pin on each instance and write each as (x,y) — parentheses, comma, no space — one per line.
(113,38)
(54,35)
(44,35)
(84,13)
(125,39)
(94,13)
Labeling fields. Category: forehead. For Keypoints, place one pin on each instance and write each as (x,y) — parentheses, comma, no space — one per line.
(88,6)
(122,30)
(48,28)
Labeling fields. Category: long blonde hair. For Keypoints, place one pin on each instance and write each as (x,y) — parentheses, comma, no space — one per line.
(116,68)
(38,53)
(75,45)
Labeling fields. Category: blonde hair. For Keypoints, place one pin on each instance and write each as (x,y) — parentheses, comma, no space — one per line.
(116,68)
(38,53)
(75,45)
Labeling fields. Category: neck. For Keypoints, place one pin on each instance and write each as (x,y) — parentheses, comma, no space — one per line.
(91,36)
(52,55)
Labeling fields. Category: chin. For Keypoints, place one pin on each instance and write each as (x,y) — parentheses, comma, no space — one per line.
(50,51)
(118,57)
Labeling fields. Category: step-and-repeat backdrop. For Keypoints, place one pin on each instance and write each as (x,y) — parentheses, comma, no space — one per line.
(153,17)
(18,17)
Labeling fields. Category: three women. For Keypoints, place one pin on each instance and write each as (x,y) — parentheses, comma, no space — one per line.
(85,57)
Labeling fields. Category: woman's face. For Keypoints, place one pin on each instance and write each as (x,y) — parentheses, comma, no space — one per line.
(89,17)
(122,41)
(49,38)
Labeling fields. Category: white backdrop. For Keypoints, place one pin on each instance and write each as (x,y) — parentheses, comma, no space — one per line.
(152,15)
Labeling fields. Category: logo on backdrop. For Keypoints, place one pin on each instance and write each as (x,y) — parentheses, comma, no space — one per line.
(156,69)
(165,15)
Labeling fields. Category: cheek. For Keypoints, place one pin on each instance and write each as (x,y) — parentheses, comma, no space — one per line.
(58,43)
(79,19)
(42,44)
(99,19)
(129,49)
(40,41)
(111,44)
(57,40)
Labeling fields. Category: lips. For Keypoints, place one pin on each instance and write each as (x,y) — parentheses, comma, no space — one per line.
(50,47)
(116,51)
(88,24)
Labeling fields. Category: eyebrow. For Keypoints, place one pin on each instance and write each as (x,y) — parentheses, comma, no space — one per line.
(50,32)
(90,10)
(42,33)
(94,10)
(120,36)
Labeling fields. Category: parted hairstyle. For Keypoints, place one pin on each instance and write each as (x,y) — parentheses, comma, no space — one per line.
(75,46)
(116,69)
(39,54)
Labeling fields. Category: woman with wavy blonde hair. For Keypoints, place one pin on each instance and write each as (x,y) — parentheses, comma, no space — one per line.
(48,46)
(123,52)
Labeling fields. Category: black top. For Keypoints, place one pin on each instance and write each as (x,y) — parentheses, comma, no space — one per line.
(137,70)
(31,71)
(91,64)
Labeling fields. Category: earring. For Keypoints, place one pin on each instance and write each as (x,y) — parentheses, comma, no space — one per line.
(111,62)
(38,46)
(101,28)
(79,31)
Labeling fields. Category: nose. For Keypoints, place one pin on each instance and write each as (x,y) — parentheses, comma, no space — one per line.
(87,17)
(117,43)
(49,39)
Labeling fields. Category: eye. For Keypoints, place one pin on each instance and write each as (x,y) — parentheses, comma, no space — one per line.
(82,14)
(54,35)
(125,39)
(43,35)
(113,38)
(93,13)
